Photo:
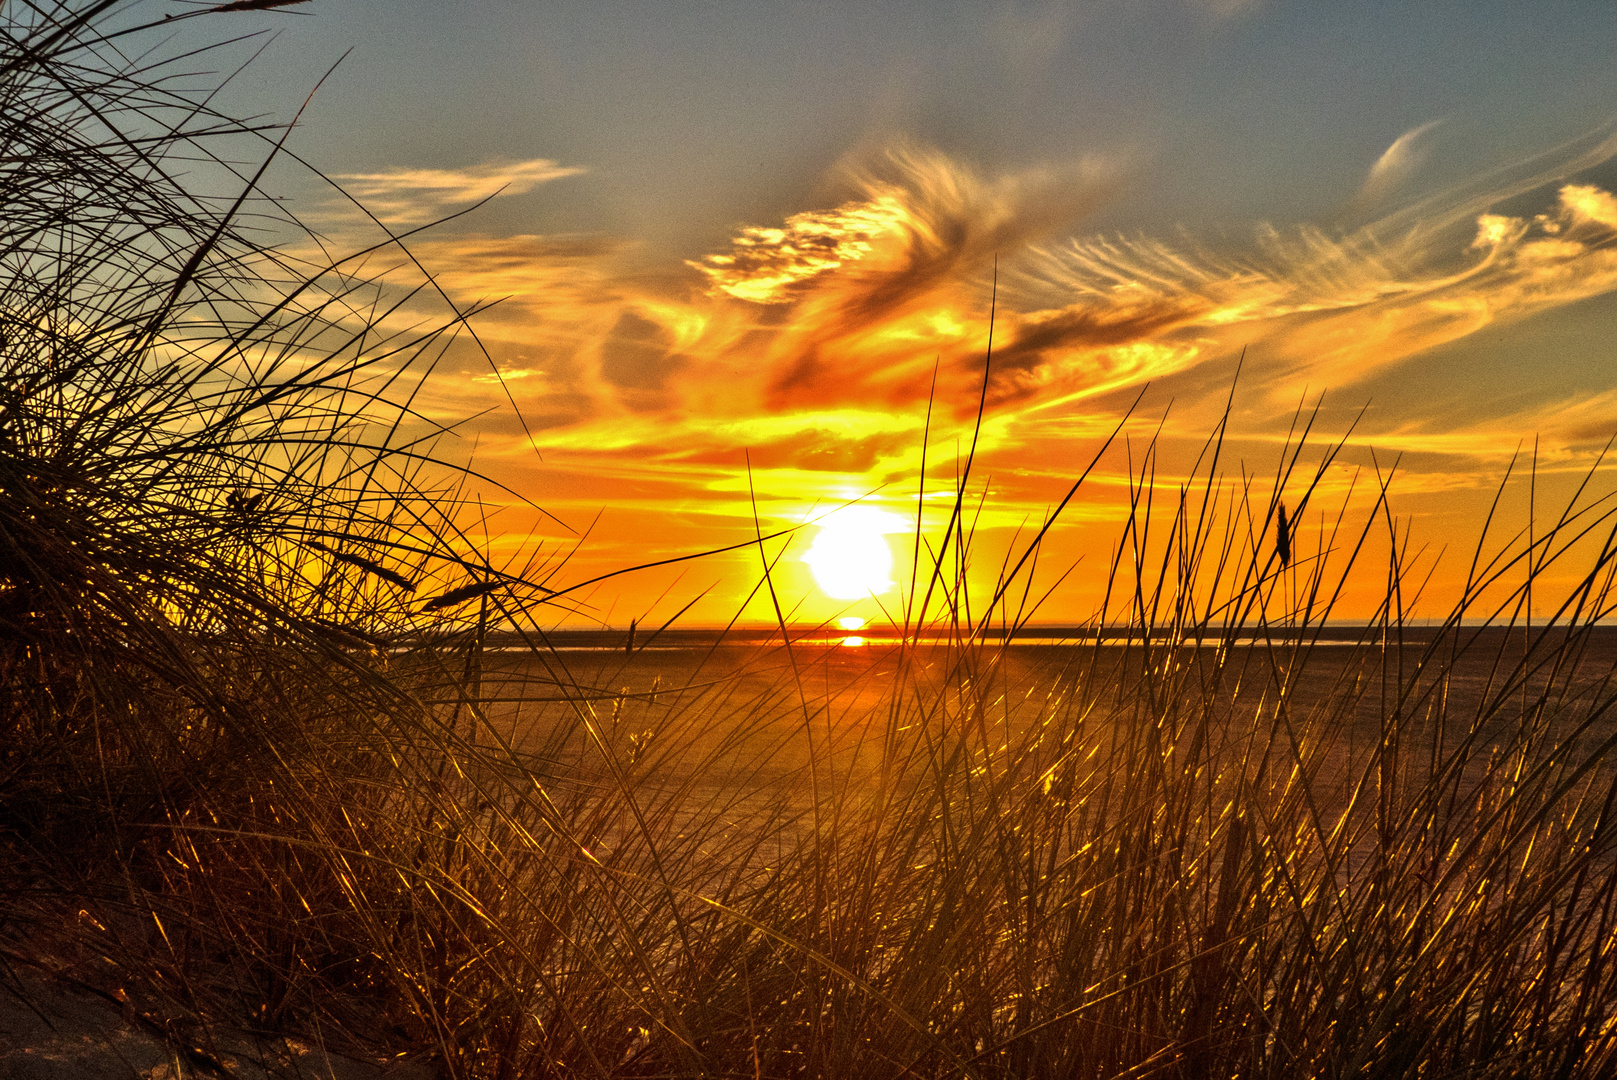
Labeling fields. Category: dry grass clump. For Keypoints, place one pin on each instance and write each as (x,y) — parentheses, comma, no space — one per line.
(211,490)
(1230,847)
(246,780)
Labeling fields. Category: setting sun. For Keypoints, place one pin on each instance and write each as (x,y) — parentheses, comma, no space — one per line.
(850,557)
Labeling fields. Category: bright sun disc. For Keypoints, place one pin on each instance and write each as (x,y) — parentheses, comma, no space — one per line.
(850,557)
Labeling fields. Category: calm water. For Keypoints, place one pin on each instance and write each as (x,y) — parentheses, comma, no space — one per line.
(760,713)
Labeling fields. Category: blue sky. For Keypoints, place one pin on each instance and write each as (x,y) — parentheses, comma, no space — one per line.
(693,117)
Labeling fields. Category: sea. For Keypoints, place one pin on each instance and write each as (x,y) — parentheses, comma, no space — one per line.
(755,708)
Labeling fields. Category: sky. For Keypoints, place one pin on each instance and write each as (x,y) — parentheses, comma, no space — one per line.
(748,255)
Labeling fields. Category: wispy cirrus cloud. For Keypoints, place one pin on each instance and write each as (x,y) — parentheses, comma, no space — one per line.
(414,195)
(1396,164)
(772,265)
(839,325)
(890,282)
(862,298)
(1328,308)
(811,360)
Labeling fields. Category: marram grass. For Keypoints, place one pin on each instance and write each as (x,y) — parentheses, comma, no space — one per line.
(248,780)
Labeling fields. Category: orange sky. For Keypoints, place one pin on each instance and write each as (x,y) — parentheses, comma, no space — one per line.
(738,253)
(791,370)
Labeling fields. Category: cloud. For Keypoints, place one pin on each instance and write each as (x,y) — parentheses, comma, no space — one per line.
(1400,160)
(1563,428)
(920,218)
(1558,423)
(506,375)
(873,289)
(1331,308)
(1222,10)
(864,302)
(807,361)
(413,196)
(765,265)
(817,342)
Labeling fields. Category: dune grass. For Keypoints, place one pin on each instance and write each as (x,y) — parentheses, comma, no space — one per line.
(258,770)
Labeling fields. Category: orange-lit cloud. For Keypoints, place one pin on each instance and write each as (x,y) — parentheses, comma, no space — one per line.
(415,196)
(765,264)
(810,349)
(858,307)
(1329,310)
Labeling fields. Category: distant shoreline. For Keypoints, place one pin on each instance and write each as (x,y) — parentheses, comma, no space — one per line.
(618,638)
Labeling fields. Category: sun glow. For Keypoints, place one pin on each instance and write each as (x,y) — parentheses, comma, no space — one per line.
(850,557)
